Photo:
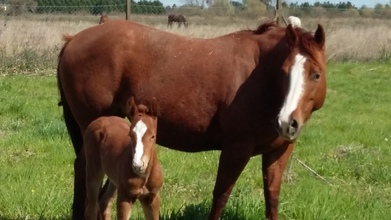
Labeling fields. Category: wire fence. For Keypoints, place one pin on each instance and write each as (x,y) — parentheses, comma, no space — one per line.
(230,10)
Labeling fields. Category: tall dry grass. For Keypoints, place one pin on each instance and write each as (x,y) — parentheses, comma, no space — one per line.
(34,41)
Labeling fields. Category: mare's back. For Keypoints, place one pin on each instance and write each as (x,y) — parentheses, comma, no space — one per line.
(143,43)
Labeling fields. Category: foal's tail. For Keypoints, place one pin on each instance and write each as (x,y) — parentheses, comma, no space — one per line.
(70,122)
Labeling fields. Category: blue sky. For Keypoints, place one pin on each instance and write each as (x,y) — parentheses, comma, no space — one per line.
(357,3)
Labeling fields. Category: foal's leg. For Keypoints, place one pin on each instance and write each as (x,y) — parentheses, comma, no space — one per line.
(151,205)
(94,176)
(106,201)
(124,204)
(150,200)
(233,159)
(273,166)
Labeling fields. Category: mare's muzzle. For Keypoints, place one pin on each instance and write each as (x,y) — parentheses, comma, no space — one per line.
(288,130)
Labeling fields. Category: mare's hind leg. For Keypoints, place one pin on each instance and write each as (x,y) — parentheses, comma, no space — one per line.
(106,200)
(233,159)
(273,166)
(79,184)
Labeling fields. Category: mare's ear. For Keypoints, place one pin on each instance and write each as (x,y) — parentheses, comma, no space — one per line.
(320,36)
(154,108)
(291,36)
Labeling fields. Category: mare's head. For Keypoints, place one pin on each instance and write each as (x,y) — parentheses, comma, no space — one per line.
(143,118)
(305,71)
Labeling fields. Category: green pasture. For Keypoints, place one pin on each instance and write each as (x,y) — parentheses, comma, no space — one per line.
(347,142)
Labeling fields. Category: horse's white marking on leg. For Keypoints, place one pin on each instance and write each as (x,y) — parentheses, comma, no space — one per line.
(296,88)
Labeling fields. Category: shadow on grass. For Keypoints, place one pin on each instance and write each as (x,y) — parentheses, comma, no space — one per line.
(188,212)
(200,212)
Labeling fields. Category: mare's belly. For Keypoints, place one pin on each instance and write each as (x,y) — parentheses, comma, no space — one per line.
(187,140)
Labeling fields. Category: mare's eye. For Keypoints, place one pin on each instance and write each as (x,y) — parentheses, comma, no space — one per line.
(153,137)
(315,76)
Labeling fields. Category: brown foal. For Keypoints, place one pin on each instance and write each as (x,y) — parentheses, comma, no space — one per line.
(127,155)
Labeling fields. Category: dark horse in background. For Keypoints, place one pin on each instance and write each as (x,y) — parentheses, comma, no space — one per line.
(245,93)
(180,19)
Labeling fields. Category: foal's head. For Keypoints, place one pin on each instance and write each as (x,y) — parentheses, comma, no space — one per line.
(143,118)
(305,71)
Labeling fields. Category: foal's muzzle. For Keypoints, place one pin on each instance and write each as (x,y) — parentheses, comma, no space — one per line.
(139,168)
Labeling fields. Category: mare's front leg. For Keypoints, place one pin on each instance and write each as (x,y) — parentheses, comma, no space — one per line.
(234,157)
(273,166)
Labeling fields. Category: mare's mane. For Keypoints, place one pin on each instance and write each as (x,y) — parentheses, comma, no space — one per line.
(307,42)
(263,28)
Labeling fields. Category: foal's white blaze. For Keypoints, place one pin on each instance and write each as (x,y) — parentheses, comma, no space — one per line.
(140,128)
(296,89)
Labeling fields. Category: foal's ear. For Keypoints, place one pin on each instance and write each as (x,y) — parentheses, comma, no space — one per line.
(154,108)
(291,36)
(131,107)
(320,36)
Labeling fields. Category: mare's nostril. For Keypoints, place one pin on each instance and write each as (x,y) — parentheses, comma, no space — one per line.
(294,124)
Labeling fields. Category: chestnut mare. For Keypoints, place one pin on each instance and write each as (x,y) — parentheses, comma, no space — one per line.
(127,155)
(245,93)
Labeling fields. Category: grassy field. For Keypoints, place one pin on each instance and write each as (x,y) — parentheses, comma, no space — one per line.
(347,142)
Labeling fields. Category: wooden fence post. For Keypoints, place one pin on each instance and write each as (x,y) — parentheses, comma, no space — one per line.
(128,4)
(278,13)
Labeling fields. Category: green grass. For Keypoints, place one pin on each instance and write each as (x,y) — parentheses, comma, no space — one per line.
(347,142)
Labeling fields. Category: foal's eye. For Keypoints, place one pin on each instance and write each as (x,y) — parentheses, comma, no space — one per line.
(315,76)
(153,137)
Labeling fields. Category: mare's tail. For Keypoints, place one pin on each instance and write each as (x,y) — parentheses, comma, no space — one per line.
(70,122)
(77,142)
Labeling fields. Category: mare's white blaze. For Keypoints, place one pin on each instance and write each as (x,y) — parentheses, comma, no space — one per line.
(140,128)
(296,88)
